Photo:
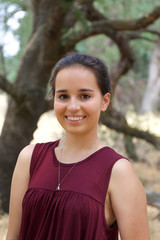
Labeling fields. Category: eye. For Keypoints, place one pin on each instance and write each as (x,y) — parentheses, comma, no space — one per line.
(85,96)
(63,96)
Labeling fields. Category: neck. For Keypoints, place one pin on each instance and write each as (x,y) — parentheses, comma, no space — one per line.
(78,142)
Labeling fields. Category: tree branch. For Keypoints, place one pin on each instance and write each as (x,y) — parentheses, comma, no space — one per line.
(92,13)
(137,35)
(133,24)
(100,24)
(115,120)
(151,31)
(9,88)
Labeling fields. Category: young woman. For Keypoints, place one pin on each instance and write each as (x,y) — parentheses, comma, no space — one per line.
(77,188)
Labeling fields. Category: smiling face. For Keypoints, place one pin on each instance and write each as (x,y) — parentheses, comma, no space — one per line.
(78,100)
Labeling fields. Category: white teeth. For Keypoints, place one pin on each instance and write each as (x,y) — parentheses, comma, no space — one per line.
(74,118)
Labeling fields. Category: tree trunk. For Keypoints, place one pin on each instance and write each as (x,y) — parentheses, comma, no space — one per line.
(151,96)
(41,54)
(17,132)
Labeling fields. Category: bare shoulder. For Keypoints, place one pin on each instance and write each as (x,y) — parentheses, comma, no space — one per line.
(122,165)
(21,174)
(123,174)
(123,168)
(26,153)
(24,158)
(128,201)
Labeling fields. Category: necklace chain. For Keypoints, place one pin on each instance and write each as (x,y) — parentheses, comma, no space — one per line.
(59,167)
(59,175)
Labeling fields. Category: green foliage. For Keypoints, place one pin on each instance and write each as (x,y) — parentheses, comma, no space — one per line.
(101,47)
(18,3)
(74,31)
(81,25)
(66,5)
(21,33)
(24,31)
(122,9)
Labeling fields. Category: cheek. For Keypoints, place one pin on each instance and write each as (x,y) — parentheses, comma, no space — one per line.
(93,108)
(58,108)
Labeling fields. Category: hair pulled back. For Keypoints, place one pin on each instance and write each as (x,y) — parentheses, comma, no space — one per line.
(93,63)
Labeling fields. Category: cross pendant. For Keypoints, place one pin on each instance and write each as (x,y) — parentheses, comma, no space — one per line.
(58,187)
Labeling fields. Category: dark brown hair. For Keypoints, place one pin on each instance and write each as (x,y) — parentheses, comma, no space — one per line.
(93,63)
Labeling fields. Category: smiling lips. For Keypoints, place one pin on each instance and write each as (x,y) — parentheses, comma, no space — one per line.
(75,118)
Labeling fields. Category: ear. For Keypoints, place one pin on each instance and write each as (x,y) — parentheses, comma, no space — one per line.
(106,101)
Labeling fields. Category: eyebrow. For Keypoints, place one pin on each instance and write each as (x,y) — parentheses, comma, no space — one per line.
(61,91)
(85,90)
(80,90)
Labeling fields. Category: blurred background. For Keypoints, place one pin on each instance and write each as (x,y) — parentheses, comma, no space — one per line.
(34,35)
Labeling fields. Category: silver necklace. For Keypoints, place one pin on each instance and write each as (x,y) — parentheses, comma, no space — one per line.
(59,175)
(59,168)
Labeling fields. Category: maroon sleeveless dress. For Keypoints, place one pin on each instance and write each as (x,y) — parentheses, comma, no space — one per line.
(76,211)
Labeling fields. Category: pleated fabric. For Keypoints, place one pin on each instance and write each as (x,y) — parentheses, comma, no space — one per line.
(76,211)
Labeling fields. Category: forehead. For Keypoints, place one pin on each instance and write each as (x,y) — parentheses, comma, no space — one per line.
(76,74)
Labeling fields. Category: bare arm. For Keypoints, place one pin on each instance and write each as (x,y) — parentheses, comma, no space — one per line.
(129,202)
(19,186)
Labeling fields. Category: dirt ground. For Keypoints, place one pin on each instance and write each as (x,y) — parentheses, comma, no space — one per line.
(146,170)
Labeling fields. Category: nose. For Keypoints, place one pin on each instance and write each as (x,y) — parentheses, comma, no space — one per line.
(73,105)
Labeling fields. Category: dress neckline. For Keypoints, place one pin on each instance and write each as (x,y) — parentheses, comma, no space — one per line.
(79,162)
